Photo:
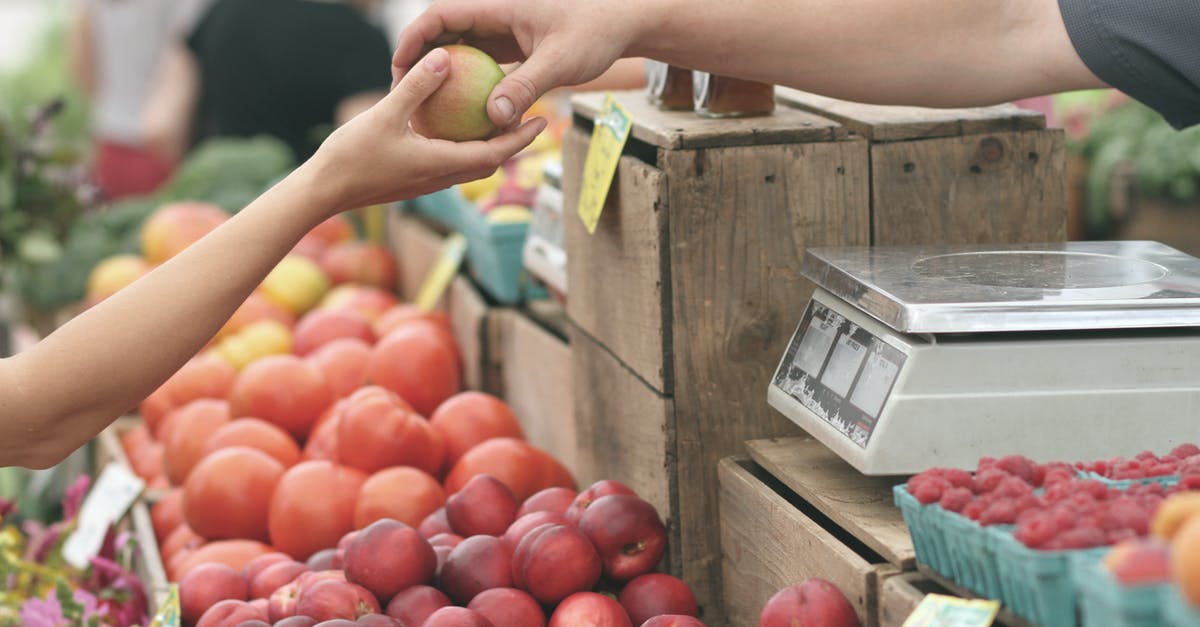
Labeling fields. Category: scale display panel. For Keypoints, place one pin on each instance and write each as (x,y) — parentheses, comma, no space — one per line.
(839,371)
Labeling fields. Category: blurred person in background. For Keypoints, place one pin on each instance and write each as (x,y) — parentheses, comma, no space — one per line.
(115,48)
(291,69)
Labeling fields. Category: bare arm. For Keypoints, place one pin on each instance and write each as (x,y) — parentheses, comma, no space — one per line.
(81,49)
(167,117)
(65,390)
(918,52)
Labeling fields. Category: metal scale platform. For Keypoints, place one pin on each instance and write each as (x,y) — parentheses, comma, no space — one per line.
(912,357)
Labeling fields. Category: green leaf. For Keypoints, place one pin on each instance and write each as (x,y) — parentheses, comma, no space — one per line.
(39,247)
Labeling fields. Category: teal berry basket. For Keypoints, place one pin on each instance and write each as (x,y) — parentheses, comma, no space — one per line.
(973,553)
(1124,484)
(1105,602)
(445,207)
(1038,585)
(1177,612)
(494,257)
(926,525)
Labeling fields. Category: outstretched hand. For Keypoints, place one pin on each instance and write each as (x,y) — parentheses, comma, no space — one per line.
(376,157)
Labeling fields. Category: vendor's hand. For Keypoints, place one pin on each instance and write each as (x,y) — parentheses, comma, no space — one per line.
(560,43)
(376,157)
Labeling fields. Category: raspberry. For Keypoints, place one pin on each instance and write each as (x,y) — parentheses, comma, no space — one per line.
(1082,538)
(1188,465)
(1028,503)
(1057,475)
(1001,512)
(974,509)
(1187,483)
(1146,456)
(1125,513)
(1096,489)
(1013,487)
(985,462)
(1036,531)
(1018,465)
(931,490)
(986,480)
(1185,450)
(959,478)
(955,499)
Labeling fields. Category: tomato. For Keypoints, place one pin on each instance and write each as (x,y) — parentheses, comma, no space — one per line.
(186,431)
(402,493)
(284,390)
(256,434)
(524,468)
(468,418)
(228,493)
(375,433)
(313,507)
(417,363)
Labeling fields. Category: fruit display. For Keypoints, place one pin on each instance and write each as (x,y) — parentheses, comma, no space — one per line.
(811,602)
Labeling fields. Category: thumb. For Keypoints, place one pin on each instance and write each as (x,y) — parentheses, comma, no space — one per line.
(522,87)
(420,82)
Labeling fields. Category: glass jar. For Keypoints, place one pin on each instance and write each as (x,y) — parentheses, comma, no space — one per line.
(668,87)
(719,96)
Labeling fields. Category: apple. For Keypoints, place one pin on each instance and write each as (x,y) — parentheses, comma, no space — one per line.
(591,609)
(508,607)
(327,600)
(414,605)
(478,563)
(553,561)
(389,556)
(585,498)
(673,620)
(457,111)
(555,500)
(229,612)
(811,602)
(451,616)
(484,505)
(206,585)
(655,594)
(627,533)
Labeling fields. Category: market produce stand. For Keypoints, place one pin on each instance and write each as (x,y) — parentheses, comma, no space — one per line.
(686,295)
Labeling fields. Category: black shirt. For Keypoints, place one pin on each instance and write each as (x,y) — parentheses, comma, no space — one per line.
(280,67)
(1149,49)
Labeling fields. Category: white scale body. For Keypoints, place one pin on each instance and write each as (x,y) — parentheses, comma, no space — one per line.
(908,358)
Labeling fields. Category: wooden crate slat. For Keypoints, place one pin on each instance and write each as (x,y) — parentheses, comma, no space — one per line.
(621,263)
(859,503)
(893,123)
(468,313)
(996,188)
(415,246)
(770,544)
(685,129)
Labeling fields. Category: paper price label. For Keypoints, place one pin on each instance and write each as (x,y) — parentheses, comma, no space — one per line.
(608,139)
(442,272)
(168,615)
(105,504)
(939,610)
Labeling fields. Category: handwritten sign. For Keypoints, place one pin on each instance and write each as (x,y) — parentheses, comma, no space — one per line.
(608,139)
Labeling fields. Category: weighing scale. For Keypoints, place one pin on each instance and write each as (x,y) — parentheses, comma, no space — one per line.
(913,357)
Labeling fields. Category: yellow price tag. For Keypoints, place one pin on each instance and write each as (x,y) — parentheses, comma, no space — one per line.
(608,138)
(939,610)
(168,614)
(442,272)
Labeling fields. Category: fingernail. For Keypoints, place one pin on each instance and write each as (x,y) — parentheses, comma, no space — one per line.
(504,107)
(437,60)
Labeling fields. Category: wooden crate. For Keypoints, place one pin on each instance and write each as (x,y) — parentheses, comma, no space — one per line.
(534,375)
(773,538)
(415,244)
(691,282)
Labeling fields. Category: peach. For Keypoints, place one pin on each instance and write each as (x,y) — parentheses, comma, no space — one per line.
(325,559)
(327,600)
(175,226)
(654,594)
(203,376)
(508,607)
(523,525)
(112,274)
(812,602)
(627,533)
(295,621)
(555,561)
(476,564)
(1172,513)
(673,620)
(378,620)
(414,605)
(1185,559)
(319,327)
(435,523)
(556,499)
(389,556)
(255,308)
(457,111)
(296,283)
(403,493)
(585,498)
(230,612)
(591,609)
(484,506)
(205,586)
(369,302)
(445,539)
(360,263)
(451,616)
(274,577)
(260,563)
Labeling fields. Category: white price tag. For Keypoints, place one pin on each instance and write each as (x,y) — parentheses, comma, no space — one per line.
(106,503)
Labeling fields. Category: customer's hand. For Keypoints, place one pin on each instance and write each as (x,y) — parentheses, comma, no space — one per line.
(559,43)
(376,157)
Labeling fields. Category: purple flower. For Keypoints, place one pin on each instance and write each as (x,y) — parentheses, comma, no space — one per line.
(43,612)
(7,507)
(73,496)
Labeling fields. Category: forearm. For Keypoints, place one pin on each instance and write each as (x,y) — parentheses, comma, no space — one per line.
(920,52)
(65,390)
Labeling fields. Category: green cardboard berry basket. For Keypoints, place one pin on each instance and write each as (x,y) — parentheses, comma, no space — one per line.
(444,207)
(973,550)
(1038,585)
(1104,602)
(926,524)
(494,257)
(1177,612)
(1124,484)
